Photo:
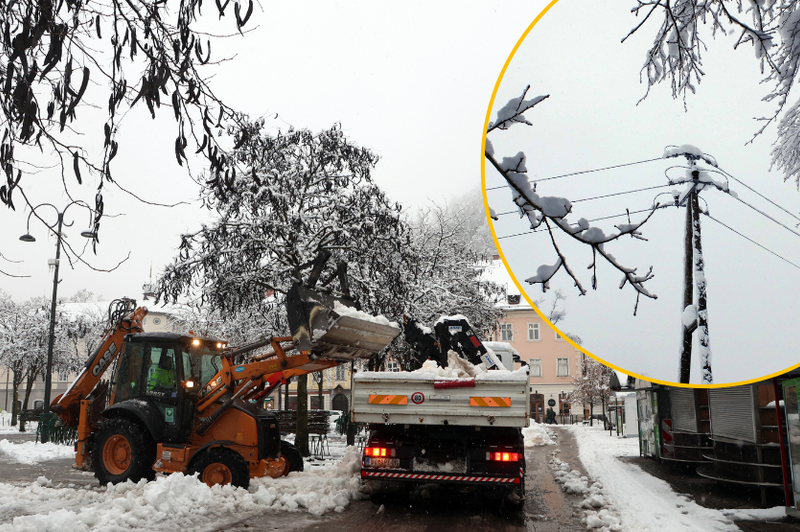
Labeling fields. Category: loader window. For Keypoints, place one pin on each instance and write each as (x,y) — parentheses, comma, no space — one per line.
(127,379)
(161,373)
(203,363)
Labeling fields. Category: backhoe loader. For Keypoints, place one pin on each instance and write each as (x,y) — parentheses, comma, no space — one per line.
(186,403)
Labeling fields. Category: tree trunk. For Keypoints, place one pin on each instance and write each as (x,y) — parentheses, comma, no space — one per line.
(301,431)
(15,398)
(28,385)
(591,414)
(319,391)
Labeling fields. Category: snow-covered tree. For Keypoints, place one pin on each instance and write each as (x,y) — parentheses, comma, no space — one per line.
(303,194)
(69,72)
(550,212)
(592,385)
(771,28)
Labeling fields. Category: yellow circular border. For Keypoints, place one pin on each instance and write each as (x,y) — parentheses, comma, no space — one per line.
(517,283)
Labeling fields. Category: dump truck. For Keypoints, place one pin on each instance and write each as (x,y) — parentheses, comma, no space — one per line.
(188,403)
(431,428)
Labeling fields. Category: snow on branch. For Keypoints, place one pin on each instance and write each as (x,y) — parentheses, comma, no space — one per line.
(552,211)
(773,31)
(512,112)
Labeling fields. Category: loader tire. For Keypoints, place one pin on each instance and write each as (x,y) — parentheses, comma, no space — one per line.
(293,456)
(123,450)
(221,466)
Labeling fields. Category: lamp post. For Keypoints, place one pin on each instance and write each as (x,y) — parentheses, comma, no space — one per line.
(27,237)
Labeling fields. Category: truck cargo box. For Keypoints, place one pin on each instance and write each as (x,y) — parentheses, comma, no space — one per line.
(494,398)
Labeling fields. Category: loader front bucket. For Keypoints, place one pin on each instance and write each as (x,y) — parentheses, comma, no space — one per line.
(333,328)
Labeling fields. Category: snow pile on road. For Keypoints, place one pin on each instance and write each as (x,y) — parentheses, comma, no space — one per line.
(537,435)
(598,512)
(33,452)
(177,501)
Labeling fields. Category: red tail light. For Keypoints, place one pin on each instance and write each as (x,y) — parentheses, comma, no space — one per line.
(503,457)
(378,452)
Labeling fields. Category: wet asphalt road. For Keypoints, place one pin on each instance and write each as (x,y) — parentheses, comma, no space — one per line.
(546,508)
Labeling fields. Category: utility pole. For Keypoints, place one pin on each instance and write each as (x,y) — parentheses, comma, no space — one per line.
(694,279)
(688,294)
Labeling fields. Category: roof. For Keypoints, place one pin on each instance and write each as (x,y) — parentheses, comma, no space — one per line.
(166,336)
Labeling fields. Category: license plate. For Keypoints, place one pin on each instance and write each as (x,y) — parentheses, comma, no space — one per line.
(382,462)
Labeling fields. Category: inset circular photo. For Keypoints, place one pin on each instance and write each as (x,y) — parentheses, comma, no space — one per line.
(641,173)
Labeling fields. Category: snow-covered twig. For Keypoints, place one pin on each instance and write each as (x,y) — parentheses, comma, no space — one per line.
(552,211)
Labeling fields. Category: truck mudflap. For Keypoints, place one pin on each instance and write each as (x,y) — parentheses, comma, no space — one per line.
(333,327)
(437,477)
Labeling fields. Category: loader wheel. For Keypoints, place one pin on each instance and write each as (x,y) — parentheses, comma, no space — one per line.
(123,450)
(293,456)
(221,466)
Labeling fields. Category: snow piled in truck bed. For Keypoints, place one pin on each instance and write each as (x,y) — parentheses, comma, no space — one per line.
(177,501)
(34,452)
(457,369)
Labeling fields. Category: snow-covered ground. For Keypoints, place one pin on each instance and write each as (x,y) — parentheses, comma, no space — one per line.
(7,428)
(619,496)
(33,452)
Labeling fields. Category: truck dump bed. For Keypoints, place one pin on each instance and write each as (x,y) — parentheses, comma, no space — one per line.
(496,398)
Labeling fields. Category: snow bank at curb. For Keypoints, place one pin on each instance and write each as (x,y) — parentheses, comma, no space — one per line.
(33,452)
(177,501)
(537,435)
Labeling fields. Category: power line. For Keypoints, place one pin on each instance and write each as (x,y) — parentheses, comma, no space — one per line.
(767,216)
(753,241)
(592,220)
(760,195)
(582,172)
(604,196)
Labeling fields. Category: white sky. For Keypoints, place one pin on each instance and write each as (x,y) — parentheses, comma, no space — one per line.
(411,81)
(592,120)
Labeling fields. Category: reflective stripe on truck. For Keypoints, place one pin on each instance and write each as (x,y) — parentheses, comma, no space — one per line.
(446,478)
(388,399)
(490,401)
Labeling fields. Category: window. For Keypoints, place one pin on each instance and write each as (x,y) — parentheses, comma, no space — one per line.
(340,373)
(392,366)
(562,368)
(533,332)
(536,367)
(558,337)
(506,332)
(63,376)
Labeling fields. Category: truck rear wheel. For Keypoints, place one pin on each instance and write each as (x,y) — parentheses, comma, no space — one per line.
(221,466)
(123,450)
(293,456)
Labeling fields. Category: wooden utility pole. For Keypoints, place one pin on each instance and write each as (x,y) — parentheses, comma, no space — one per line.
(694,278)
(702,300)
(688,295)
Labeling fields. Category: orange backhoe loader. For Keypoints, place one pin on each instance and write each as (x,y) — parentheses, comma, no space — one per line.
(185,403)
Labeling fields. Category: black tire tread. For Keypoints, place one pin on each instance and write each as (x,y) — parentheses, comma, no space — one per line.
(240,472)
(143,448)
(293,456)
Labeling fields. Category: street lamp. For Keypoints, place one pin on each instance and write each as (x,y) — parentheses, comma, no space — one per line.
(27,237)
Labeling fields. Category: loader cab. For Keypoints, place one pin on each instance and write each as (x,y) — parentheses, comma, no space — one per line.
(157,377)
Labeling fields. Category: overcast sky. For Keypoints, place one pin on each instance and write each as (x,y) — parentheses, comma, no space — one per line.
(592,120)
(409,80)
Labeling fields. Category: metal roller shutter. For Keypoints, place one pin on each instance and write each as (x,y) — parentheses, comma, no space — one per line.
(733,413)
(684,409)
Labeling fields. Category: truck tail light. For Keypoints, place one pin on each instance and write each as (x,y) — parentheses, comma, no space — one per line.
(379,452)
(502,456)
